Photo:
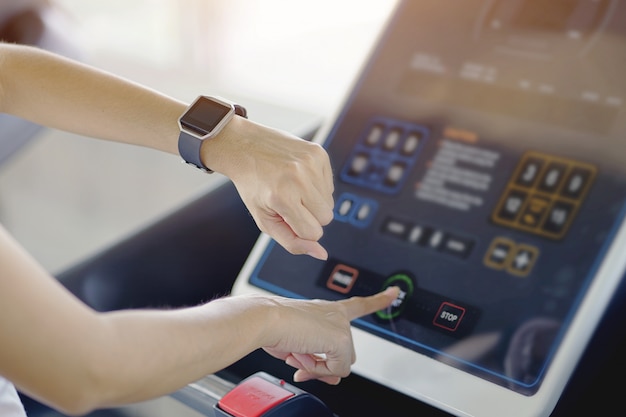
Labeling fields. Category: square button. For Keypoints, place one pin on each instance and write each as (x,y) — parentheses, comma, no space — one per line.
(534,211)
(449,316)
(374,135)
(342,278)
(359,164)
(411,143)
(559,216)
(395,174)
(576,182)
(512,205)
(392,139)
(552,177)
(529,172)
(523,260)
(499,253)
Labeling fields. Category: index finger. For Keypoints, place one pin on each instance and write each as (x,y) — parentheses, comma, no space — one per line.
(360,306)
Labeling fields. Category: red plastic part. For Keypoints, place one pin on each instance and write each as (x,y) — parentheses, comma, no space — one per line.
(253,397)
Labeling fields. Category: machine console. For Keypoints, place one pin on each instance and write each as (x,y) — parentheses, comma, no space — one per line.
(480,164)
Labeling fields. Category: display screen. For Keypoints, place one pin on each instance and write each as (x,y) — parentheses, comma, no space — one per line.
(480,167)
(204,115)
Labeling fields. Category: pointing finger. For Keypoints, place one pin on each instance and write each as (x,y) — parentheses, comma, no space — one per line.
(361,306)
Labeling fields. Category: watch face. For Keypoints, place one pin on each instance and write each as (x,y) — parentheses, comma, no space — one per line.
(204,115)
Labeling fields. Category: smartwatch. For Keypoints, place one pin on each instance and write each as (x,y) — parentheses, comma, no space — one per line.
(203,120)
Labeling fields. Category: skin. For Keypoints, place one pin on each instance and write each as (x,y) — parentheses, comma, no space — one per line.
(60,351)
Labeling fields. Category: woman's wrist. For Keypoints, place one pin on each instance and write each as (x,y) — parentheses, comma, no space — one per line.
(228,149)
(253,318)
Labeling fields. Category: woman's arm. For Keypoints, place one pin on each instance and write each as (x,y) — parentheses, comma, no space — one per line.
(61,352)
(285,182)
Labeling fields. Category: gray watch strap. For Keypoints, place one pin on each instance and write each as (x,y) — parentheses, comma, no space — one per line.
(189,149)
(189,145)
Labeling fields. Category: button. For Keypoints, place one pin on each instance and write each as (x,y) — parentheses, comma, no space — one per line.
(342,278)
(364,213)
(436,238)
(576,182)
(512,205)
(411,143)
(449,316)
(558,218)
(373,137)
(417,234)
(395,228)
(523,260)
(405,283)
(358,165)
(498,253)
(458,246)
(552,177)
(253,397)
(395,174)
(534,211)
(392,139)
(344,207)
(529,172)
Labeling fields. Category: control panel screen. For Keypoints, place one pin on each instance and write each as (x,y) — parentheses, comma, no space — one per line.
(480,165)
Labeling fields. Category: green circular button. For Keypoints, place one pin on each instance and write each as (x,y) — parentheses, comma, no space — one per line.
(406,285)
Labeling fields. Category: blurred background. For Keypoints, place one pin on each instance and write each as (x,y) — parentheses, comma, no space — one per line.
(290,63)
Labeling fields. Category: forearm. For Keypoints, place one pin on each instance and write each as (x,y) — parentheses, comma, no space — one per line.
(153,353)
(73,358)
(285,182)
(56,92)
(139,355)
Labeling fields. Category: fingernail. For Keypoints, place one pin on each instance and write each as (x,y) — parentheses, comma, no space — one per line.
(322,256)
(392,289)
(299,377)
(291,361)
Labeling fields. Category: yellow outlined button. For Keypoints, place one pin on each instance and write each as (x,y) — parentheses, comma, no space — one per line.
(499,253)
(534,211)
(516,258)
(522,260)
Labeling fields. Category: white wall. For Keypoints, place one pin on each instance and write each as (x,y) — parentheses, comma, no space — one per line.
(302,54)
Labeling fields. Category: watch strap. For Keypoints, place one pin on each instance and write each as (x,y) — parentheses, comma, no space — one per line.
(241,111)
(189,149)
(189,145)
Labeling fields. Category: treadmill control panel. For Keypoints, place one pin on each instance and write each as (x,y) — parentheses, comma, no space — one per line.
(483,173)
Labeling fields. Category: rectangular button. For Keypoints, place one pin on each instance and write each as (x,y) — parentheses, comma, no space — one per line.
(458,246)
(396,228)
(253,397)
(342,278)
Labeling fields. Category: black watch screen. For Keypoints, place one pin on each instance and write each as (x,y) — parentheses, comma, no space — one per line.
(204,115)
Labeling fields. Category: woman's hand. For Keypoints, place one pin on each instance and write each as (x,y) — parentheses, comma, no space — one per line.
(285,182)
(315,336)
